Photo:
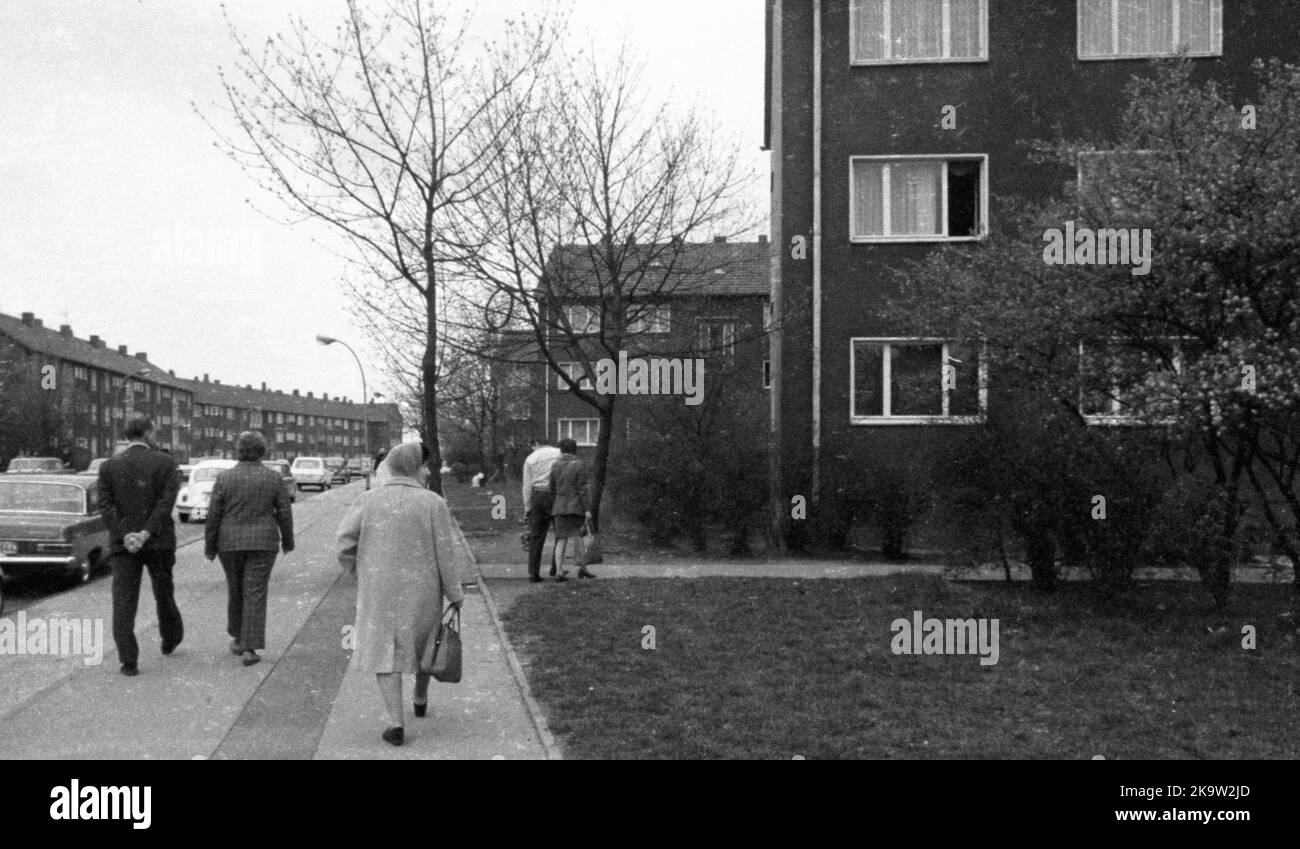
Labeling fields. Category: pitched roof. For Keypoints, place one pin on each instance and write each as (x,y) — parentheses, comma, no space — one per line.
(667,270)
(52,343)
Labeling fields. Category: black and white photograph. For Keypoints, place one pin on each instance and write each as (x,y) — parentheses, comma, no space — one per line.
(796,380)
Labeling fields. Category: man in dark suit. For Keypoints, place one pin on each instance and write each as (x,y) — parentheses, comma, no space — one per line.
(137,490)
(249,518)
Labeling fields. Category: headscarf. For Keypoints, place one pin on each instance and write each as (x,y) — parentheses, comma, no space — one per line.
(405,460)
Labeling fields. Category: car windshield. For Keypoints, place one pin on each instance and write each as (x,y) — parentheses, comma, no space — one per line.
(334,462)
(209,474)
(308,464)
(31,496)
(20,464)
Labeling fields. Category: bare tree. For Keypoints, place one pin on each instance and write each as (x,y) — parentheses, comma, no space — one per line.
(595,199)
(383,133)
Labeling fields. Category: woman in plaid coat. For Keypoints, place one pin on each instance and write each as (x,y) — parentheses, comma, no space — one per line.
(398,541)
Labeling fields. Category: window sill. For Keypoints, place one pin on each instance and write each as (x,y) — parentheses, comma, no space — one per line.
(876,63)
(1144,56)
(913,240)
(914,421)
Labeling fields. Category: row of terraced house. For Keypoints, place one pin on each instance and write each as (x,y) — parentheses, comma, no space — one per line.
(96,388)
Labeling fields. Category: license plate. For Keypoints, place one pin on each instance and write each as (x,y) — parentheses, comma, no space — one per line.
(8,548)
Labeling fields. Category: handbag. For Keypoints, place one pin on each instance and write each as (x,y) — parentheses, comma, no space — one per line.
(442,654)
(591,554)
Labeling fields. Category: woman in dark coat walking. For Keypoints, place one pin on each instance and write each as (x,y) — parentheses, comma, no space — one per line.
(571,503)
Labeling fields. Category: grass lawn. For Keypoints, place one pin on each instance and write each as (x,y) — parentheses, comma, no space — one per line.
(764,668)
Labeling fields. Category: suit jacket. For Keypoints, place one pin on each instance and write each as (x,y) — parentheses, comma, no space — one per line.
(249,511)
(570,487)
(137,490)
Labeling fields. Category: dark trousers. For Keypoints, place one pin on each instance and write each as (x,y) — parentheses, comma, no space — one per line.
(128,569)
(247,575)
(539,522)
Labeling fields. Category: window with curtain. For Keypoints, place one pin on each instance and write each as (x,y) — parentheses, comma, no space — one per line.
(1111,29)
(917,199)
(911,380)
(887,31)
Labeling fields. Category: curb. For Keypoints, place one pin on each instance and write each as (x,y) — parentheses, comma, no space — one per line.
(544,736)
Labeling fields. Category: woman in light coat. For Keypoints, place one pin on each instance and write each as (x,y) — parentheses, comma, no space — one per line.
(398,541)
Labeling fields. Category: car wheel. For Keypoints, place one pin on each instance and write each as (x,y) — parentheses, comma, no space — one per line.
(86,571)
(185,518)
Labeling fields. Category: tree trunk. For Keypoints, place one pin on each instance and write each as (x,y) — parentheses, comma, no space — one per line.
(601,462)
(429,375)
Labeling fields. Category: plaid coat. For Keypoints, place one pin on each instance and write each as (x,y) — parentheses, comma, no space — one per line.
(249,511)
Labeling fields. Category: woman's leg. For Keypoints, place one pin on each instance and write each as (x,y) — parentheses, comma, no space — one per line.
(421,689)
(232,563)
(390,687)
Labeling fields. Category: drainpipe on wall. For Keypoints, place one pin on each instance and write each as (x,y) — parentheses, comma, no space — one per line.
(817,255)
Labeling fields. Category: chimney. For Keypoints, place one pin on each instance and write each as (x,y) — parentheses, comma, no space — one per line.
(762,238)
(719,240)
(309,395)
(263,385)
(96,342)
(250,387)
(65,330)
(205,377)
(216,383)
(171,372)
(37,323)
(29,319)
(295,393)
(142,356)
(121,349)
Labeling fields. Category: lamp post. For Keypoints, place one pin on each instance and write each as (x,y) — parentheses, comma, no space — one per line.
(365,428)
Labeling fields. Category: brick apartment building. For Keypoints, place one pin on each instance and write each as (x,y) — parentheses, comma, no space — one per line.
(98,388)
(865,176)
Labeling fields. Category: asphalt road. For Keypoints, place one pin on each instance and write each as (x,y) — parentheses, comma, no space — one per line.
(24,594)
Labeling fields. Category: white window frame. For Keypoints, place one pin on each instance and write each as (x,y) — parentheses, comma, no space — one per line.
(981,158)
(1216,34)
(888,343)
(592,429)
(592,325)
(729,351)
(651,320)
(1115,418)
(586,383)
(945,41)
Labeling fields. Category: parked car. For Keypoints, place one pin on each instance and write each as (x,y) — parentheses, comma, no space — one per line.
(359,467)
(311,471)
(332,463)
(51,523)
(192,503)
(93,468)
(36,466)
(286,477)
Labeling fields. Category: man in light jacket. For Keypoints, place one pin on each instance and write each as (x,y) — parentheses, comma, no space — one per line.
(537,501)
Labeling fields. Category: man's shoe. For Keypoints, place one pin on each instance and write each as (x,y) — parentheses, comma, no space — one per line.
(395,736)
(168,648)
(562,577)
(420,709)
(552,568)
(534,579)
(251,658)
(583,573)
(235,647)
(130,670)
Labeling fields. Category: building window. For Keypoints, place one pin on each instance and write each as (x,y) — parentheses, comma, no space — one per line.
(581,431)
(1127,29)
(648,319)
(717,337)
(916,381)
(918,198)
(576,372)
(80,373)
(767,374)
(901,31)
(583,320)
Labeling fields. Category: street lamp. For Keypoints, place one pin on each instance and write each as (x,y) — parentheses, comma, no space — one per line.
(119,398)
(326,341)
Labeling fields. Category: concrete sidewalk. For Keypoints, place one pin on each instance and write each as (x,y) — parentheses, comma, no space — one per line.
(302,701)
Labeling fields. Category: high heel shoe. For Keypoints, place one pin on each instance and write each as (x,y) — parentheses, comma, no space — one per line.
(420,709)
(396,736)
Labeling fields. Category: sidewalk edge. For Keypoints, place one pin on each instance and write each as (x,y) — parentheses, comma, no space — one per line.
(540,726)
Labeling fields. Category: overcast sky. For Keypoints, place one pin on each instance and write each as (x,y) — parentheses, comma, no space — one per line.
(106,175)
